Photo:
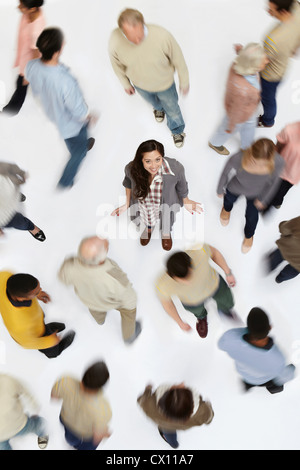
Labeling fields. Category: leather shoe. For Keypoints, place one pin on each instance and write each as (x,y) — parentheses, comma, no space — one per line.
(167,243)
(202,327)
(145,237)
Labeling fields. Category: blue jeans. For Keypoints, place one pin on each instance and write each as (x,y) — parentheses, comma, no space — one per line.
(288,272)
(166,101)
(251,212)
(20,222)
(78,147)
(245,129)
(268,100)
(76,441)
(35,424)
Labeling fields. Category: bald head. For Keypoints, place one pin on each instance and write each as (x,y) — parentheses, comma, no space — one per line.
(93,250)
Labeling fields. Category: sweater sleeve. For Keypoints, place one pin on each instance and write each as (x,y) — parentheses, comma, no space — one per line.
(269,191)
(176,58)
(118,67)
(127,180)
(230,166)
(181,185)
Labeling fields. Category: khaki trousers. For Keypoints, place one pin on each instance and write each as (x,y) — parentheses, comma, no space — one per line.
(127,320)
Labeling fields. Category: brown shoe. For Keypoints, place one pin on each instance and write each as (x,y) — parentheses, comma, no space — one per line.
(224,217)
(202,327)
(247,244)
(145,237)
(166,243)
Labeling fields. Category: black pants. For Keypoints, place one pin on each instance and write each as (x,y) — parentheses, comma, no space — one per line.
(56,350)
(17,99)
(20,222)
(287,273)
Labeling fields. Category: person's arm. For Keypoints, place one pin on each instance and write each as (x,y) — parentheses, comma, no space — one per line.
(171,310)
(223,180)
(176,58)
(118,67)
(219,259)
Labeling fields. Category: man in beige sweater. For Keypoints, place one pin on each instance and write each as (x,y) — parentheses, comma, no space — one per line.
(280,44)
(101,285)
(145,58)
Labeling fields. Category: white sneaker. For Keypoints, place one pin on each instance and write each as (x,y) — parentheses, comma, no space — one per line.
(179,139)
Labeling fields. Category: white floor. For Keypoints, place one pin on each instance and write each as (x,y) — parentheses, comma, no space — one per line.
(206,31)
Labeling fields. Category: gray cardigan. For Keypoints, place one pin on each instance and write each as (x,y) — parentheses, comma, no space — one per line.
(240,182)
(175,189)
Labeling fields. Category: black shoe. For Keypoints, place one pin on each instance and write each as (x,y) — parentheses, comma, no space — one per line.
(22,197)
(260,123)
(175,445)
(40,236)
(272,388)
(67,340)
(91,143)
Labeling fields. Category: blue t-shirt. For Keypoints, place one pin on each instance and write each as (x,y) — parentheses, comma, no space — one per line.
(60,96)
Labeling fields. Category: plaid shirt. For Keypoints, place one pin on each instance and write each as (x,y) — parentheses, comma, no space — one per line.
(150,206)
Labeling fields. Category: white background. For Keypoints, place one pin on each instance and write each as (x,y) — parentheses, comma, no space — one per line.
(206,31)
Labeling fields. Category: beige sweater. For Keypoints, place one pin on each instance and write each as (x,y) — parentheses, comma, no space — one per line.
(151,64)
(100,288)
(280,44)
(12,415)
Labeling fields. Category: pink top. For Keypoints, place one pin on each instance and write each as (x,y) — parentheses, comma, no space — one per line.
(290,138)
(241,99)
(27,37)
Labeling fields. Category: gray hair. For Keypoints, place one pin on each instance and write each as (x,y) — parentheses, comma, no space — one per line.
(92,251)
(249,59)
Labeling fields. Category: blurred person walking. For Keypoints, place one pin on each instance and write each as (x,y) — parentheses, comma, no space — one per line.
(173,408)
(85,412)
(255,174)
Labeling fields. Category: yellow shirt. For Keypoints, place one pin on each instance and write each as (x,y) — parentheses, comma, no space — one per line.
(24,324)
(202,285)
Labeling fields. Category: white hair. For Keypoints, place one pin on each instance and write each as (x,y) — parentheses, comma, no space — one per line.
(249,59)
(96,252)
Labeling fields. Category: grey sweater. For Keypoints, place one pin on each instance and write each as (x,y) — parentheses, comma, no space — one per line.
(240,182)
(175,189)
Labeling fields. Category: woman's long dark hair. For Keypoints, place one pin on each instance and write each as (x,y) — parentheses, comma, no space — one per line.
(139,175)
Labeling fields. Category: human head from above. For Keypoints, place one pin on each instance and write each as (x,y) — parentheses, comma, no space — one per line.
(250,60)
(22,287)
(280,9)
(95,377)
(93,250)
(30,6)
(50,44)
(258,324)
(131,23)
(177,403)
(179,267)
(146,163)
(261,153)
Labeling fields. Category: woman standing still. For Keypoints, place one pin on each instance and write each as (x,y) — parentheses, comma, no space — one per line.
(156,189)
(253,173)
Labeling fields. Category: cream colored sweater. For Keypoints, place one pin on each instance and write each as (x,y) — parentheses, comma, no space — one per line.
(151,64)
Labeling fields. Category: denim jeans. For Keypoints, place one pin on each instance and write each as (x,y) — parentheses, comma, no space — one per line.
(20,222)
(251,212)
(78,147)
(166,101)
(76,441)
(245,129)
(288,272)
(268,100)
(35,425)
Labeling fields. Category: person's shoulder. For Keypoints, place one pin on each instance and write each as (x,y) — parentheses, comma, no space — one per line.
(175,165)
(158,30)
(115,37)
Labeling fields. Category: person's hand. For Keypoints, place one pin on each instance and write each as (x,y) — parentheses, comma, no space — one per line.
(230,279)
(184,91)
(130,90)
(237,47)
(120,210)
(228,131)
(44,297)
(259,206)
(220,195)
(185,326)
(92,119)
(192,206)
